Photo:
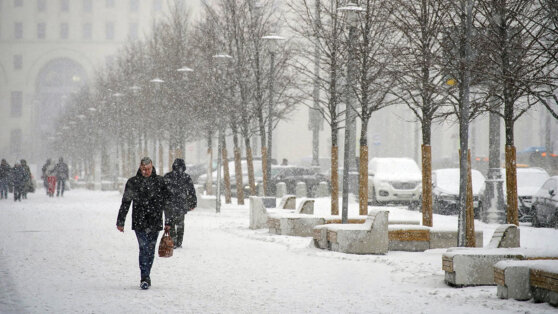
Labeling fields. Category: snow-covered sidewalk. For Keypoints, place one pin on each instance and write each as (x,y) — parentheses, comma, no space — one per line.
(64,255)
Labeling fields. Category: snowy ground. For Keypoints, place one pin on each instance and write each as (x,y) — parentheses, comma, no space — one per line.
(64,255)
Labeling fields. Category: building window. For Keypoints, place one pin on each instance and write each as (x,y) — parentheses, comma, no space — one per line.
(15,142)
(133,30)
(157,5)
(134,5)
(109,31)
(87,31)
(41,5)
(17,104)
(18,3)
(87,6)
(64,5)
(18,30)
(18,62)
(41,30)
(110,3)
(64,30)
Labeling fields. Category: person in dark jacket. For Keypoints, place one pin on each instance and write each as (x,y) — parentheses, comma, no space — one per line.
(5,171)
(44,175)
(62,174)
(19,178)
(28,186)
(148,192)
(182,198)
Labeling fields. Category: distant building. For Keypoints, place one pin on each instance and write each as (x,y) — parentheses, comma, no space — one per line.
(48,49)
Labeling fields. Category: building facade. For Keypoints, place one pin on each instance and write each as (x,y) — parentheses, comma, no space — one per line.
(49,49)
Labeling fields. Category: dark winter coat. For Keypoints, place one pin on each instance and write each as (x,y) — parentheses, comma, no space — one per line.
(148,195)
(61,170)
(19,177)
(182,195)
(5,170)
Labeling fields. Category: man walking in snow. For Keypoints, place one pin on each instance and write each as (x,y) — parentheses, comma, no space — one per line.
(182,198)
(5,171)
(62,174)
(148,192)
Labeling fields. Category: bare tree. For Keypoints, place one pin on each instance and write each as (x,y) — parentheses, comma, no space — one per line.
(420,79)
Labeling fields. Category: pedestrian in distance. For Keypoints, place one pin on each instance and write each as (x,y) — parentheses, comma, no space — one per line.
(148,192)
(44,175)
(28,187)
(181,199)
(19,178)
(62,174)
(5,171)
(50,173)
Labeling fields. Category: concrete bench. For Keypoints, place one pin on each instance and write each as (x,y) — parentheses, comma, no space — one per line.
(306,206)
(447,238)
(371,237)
(474,266)
(288,202)
(293,224)
(505,236)
(526,279)
(408,238)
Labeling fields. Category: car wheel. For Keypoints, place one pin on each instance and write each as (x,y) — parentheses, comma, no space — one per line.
(535,222)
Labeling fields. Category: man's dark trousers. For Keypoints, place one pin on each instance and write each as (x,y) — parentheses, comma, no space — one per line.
(147,242)
(177,230)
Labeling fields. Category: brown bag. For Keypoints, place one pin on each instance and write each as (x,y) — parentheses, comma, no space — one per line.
(166,245)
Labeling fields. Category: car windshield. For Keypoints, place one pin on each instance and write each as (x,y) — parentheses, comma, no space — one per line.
(389,165)
(535,179)
(449,179)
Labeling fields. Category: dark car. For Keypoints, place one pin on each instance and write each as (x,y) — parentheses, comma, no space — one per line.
(545,204)
(291,175)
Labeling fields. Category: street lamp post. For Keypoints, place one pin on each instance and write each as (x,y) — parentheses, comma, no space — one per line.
(222,59)
(158,86)
(119,145)
(273,46)
(351,12)
(181,147)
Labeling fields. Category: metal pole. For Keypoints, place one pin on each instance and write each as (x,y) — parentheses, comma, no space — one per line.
(218,194)
(349,124)
(314,122)
(267,191)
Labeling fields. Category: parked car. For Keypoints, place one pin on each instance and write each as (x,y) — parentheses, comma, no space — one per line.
(445,191)
(545,204)
(202,179)
(291,175)
(394,180)
(529,181)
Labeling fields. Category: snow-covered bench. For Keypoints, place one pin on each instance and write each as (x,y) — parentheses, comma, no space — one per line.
(408,238)
(474,266)
(306,206)
(505,236)
(288,202)
(524,279)
(371,237)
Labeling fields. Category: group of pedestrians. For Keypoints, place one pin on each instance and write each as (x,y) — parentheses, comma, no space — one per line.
(54,177)
(152,195)
(17,180)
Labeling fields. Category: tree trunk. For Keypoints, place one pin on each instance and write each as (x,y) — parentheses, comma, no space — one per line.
(209,181)
(426,185)
(511,185)
(238,170)
(334,180)
(250,164)
(226,173)
(470,228)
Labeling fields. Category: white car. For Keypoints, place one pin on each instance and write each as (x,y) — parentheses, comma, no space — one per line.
(529,181)
(394,180)
(445,190)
